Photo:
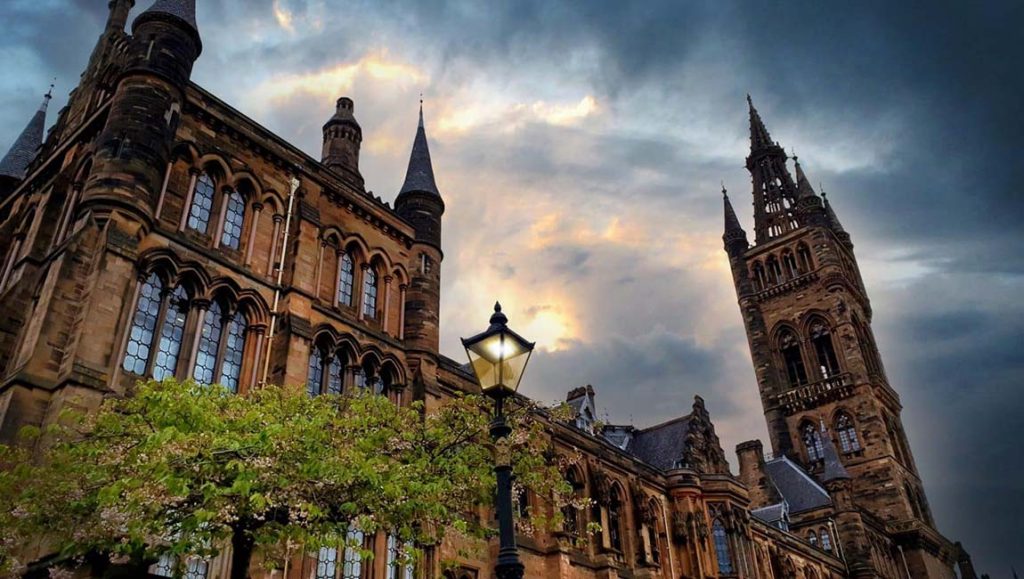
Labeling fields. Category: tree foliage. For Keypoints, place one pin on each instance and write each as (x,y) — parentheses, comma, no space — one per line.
(186,469)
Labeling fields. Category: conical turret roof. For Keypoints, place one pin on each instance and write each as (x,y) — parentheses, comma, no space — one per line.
(420,175)
(181,10)
(833,219)
(15,163)
(803,186)
(732,224)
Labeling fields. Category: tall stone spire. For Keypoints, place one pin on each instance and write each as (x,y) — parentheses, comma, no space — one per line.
(420,175)
(734,237)
(775,193)
(759,137)
(832,220)
(15,163)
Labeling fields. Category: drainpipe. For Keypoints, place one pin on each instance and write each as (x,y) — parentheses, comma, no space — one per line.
(838,543)
(903,556)
(280,278)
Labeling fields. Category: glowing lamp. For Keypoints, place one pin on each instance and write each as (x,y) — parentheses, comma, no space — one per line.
(498,356)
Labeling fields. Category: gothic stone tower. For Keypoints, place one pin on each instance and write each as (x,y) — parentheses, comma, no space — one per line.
(808,322)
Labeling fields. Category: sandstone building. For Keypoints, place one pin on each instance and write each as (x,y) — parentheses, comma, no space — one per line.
(155,231)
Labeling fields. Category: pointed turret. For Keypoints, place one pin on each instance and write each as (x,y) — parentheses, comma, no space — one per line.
(419,203)
(834,469)
(832,220)
(420,174)
(14,165)
(803,186)
(734,237)
(775,193)
(342,139)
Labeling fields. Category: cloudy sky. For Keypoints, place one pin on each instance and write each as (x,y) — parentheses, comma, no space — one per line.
(580,147)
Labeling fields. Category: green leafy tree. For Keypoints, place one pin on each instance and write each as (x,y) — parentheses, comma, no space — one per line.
(185,470)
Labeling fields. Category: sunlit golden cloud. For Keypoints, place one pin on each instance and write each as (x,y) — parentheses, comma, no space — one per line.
(471,113)
(339,79)
(283,16)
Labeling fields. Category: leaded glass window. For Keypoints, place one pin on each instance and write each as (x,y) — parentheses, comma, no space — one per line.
(315,376)
(326,563)
(334,375)
(346,277)
(395,568)
(812,538)
(140,337)
(812,442)
(722,551)
(848,440)
(164,566)
(196,568)
(202,204)
(826,540)
(353,564)
(370,293)
(234,215)
(172,332)
(209,344)
(360,378)
(234,349)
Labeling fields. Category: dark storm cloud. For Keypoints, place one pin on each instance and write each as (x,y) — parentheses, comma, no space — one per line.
(909,113)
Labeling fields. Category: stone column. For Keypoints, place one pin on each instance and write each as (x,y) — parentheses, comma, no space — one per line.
(401,311)
(278,218)
(387,304)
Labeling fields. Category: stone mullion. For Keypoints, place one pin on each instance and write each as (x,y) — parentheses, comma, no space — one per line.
(163,191)
(257,208)
(401,311)
(387,305)
(188,199)
(273,245)
(201,307)
(126,328)
(319,269)
(225,196)
(363,268)
(218,365)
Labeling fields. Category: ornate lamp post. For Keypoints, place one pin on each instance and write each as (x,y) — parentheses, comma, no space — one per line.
(498,357)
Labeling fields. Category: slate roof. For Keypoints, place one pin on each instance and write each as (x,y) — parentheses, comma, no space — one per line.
(797,488)
(771,514)
(184,10)
(662,446)
(420,175)
(15,163)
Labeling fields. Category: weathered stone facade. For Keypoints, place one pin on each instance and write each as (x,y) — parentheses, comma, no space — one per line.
(159,232)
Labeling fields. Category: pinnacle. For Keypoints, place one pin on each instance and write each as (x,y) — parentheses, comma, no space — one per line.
(420,175)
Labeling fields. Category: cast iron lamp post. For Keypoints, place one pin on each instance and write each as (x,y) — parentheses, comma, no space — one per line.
(498,357)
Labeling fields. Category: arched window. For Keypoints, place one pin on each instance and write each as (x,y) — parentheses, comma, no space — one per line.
(803,255)
(234,349)
(722,551)
(209,345)
(824,352)
(570,514)
(789,264)
(774,271)
(826,540)
(171,334)
(654,533)
(326,563)
(202,203)
(234,216)
(370,293)
(352,567)
(759,279)
(615,520)
(789,346)
(346,277)
(812,442)
(812,538)
(315,375)
(140,337)
(523,503)
(848,440)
